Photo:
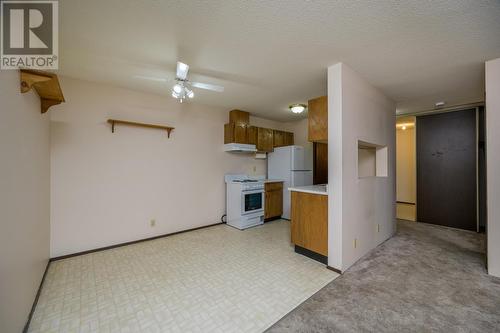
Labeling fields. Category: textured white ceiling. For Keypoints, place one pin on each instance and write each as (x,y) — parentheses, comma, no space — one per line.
(268,54)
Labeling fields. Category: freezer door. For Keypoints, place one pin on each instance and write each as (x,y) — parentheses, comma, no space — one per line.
(297,158)
(278,164)
(308,156)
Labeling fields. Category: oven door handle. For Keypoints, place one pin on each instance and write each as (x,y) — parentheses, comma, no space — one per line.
(252,191)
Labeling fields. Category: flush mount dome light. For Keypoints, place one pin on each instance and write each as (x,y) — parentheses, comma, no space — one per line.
(297,108)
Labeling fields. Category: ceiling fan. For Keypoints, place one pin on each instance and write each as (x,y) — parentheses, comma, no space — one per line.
(183,88)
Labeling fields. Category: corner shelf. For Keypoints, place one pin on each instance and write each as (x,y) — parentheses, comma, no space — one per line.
(46,85)
(132,123)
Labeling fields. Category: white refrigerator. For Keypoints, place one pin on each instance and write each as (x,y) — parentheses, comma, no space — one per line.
(293,165)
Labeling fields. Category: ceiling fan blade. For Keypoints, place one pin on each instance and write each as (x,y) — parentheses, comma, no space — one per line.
(151,78)
(207,86)
(182,70)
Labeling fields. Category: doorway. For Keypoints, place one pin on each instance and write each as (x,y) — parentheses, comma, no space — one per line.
(447,169)
(406,169)
(440,168)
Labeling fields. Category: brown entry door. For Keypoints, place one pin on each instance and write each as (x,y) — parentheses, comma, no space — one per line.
(446,169)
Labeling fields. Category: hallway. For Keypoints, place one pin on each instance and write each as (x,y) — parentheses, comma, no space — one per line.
(425,278)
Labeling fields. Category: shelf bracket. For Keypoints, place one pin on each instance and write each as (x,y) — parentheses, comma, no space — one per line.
(46,85)
(29,79)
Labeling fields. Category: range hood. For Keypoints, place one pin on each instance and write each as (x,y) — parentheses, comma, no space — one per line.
(240,148)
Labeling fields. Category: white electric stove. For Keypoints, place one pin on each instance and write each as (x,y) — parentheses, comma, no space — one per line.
(244,201)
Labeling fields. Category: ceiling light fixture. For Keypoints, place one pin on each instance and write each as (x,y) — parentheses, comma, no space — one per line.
(297,108)
(440,104)
(405,126)
(177,88)
(182,90)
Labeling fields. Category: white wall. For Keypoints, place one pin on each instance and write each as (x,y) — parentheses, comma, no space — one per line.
(493,164)
(107,187)
(24,200)
(357,111)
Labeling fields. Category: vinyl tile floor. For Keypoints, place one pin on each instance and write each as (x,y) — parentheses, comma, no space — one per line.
(216,279)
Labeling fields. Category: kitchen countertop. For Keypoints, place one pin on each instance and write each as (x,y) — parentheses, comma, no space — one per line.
(313,189)
(273,180)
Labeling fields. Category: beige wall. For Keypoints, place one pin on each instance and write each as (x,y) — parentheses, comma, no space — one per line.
(24,201)
(358,111)
(300,129)
(493,163)
(406,175)
(107,187)
(405,165)
(366,162)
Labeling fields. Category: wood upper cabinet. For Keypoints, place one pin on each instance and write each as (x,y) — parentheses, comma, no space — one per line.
(273,200)
(236,130)
(239,117)
(235,133)
(265,140)
(318,119)
(282,138)
(252,135)
(309,226)
(289,140)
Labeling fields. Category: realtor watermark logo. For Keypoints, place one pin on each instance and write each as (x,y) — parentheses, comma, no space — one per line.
(29,34)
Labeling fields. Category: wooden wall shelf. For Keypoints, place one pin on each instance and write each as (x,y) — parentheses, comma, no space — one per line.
(46,85)
(132,123)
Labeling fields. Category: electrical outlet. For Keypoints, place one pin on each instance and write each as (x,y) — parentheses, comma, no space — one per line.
(355,243)
(152,223)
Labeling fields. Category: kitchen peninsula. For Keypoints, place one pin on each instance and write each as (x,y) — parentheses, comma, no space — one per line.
(309,221)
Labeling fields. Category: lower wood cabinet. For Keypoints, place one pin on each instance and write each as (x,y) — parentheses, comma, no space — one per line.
(273,200)
(309,226)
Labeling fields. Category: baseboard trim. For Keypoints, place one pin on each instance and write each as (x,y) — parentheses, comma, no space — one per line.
(311,254)
(334,269)
(130,243)
(406,203)
(35,302)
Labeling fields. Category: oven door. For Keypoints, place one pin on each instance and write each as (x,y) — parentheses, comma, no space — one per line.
(252,201)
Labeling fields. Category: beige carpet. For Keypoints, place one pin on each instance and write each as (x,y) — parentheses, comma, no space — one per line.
(425,279)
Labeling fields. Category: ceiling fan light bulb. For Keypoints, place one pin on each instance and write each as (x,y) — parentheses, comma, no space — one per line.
(190,94)
(178,88)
